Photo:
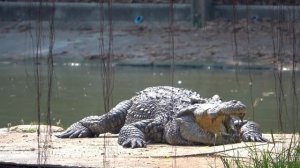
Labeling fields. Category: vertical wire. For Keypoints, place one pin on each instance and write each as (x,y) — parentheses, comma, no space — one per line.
(280,66)
(294,79)
(172,59)
(249,64)
(282,89)
(42,148)
(50,61)
(107,72)
(38,35)
(282,99)
(103,73)
(275,63)
(171,40)
(235,55)
(278,57)
(296,58)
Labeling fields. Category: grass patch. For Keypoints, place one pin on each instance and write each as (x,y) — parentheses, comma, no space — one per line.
(286,156)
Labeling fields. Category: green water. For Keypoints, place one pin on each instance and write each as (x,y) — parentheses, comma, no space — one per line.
(77,91)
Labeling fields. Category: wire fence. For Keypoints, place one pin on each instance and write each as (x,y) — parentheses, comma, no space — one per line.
(107,73)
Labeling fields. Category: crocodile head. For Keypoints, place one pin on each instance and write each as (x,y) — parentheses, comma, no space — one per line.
(211,118)
(216,117)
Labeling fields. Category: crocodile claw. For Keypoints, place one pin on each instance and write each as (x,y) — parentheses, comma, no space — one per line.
(77,130)
(250,132)
(134,143)
(253,137)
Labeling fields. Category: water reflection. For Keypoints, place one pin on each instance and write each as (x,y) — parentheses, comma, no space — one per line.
(77,92)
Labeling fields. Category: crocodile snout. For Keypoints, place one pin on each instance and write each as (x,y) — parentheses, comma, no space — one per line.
(237,108)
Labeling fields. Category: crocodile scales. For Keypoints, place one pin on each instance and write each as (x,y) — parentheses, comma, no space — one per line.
(171,115)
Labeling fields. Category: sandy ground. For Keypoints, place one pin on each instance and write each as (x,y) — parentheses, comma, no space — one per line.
(220,41)
(17,146)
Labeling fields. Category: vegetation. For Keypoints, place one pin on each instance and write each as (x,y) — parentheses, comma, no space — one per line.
(288,157)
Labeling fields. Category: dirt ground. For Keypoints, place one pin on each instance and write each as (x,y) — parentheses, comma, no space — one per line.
(261,42)
(20,145)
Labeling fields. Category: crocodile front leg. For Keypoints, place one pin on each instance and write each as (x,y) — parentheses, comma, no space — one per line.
(250,131)
(173,136)
(94,125)
(136,134)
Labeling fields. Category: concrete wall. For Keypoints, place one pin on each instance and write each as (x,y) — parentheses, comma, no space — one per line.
(12,11)
(84,12)
(261,11)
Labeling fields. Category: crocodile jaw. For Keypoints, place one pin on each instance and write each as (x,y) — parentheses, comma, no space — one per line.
(214,126)
(216,116)
(219,124)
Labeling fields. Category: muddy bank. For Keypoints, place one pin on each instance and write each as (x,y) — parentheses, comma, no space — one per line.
(22,148)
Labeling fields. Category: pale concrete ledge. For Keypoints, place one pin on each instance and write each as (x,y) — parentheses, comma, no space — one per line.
(22,148)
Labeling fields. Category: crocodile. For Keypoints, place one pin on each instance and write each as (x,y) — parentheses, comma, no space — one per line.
(177,116)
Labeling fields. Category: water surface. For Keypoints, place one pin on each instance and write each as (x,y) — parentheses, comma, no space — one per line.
(77,91)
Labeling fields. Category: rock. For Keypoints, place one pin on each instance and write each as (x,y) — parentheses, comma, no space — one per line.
(3,130)
(32,128)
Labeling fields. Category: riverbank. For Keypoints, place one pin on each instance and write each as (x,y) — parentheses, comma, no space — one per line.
(149,44)
(22,148)
(259,41)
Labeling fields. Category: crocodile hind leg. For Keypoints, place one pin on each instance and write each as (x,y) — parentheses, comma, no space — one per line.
(92,126)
